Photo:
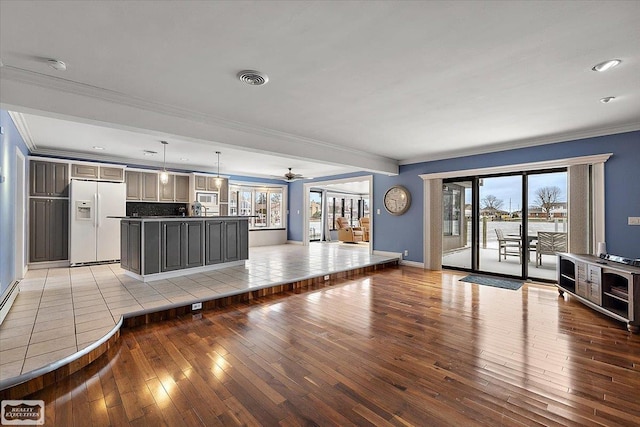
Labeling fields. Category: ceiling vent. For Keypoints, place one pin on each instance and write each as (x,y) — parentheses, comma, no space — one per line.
(253,78)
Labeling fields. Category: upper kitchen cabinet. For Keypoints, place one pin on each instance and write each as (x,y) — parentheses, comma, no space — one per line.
(182,188)
(96,171)
(208,183)
(111,173)
(224,191)
(134,185)
(167,191)
(150,187)
(49,179)
(146,187)
(85,171)
(142,186)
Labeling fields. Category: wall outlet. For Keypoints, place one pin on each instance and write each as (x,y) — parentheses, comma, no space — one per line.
(378,211)
(634,220)
(326,277)
(196,306)
(406,252)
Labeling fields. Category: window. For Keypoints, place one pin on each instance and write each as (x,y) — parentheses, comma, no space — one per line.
(451,210)
(352,207)
(275,209)
(265,203)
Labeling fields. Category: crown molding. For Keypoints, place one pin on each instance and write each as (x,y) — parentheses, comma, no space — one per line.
(546,164)
(530,142)
(68,86)
(23,129)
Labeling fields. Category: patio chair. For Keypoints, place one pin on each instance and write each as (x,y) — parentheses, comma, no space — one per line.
(508,246)
(549,243)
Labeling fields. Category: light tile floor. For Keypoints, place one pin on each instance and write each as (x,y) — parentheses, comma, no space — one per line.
(60,311)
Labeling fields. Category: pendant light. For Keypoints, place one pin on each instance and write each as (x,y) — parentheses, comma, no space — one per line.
(164,176)
(218,179)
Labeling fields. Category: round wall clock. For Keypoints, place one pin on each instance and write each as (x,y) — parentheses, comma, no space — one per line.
(397,200)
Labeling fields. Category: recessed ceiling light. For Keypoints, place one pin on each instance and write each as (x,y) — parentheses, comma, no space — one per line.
(606,65)
(607,99)
(57,65)
(95,147)
(183,158)
(253,78)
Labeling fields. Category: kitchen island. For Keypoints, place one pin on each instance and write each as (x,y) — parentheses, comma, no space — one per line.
(153,248)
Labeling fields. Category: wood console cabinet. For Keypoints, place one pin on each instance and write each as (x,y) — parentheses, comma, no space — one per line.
(608,287)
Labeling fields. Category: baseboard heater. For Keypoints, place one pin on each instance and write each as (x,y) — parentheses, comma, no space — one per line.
(7,300)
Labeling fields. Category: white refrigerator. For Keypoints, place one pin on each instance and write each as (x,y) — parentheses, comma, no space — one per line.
(94,237)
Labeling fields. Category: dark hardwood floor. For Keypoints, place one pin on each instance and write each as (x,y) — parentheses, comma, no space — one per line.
(399,347)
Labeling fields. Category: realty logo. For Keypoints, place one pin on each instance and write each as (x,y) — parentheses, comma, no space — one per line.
(22,412)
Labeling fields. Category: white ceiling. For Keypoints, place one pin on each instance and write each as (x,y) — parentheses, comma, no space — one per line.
(353,85)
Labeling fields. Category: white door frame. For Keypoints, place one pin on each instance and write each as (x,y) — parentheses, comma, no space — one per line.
(20,216)
(306,187)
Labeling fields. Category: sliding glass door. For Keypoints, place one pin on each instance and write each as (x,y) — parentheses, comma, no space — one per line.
(503,224)
(456,227)
(500,225)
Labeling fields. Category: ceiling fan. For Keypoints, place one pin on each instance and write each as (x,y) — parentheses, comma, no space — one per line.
(290,176)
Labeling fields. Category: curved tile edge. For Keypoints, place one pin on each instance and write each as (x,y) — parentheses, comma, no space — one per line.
(37,379)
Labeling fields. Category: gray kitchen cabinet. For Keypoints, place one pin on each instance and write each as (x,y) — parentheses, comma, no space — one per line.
(226,240)
(130,249)
(48,179)
(155,246)
(167,191)
(84,171)
(48,230)
(214,242)
(236,238)
(134,185)
(150,187)
(181,245)
(193,244)
(111,173)
(182,189)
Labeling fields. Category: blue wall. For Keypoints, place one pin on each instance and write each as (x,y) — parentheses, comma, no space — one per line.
(10,139)
(399,233)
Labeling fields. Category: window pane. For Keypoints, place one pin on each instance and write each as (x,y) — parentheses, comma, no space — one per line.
(275,209)
(261,209)
(233,202)
(331,216)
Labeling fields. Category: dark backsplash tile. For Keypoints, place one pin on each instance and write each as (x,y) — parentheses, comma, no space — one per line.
(154,209)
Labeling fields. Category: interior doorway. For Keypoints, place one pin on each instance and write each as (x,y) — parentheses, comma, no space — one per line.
(358,189)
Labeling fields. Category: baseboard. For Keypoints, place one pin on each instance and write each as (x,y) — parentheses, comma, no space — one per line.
(389,254)
(412,263)
(294,242)
(8,297)
(47,264)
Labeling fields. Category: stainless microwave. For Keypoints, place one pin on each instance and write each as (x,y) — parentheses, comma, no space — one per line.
(208,198)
